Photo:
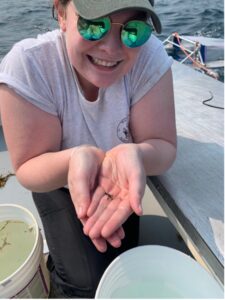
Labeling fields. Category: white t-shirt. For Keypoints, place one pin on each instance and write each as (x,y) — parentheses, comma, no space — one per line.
(39,70)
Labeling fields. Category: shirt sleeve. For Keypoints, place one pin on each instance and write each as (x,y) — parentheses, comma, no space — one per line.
(23,71)
(152,63)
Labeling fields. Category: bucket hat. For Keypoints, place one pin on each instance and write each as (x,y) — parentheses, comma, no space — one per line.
(93,9)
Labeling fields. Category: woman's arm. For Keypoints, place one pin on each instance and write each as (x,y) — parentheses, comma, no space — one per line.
(153,126)
(33,139)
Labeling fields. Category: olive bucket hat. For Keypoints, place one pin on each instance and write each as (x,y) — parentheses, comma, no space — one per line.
(93,9)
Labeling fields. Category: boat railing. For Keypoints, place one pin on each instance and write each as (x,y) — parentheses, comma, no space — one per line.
(176,40)
(192,50)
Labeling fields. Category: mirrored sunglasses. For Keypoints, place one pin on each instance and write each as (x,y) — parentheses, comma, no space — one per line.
(133,34)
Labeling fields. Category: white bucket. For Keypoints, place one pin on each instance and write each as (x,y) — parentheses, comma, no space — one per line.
(31,279)
(157,272)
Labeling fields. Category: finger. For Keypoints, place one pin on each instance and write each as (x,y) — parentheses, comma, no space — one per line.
(103,213)
(97,220)
(93,219)
(121,233)
(114,240)
(80,194)
(97,196)
(100,244)
(117,219)
(136,192)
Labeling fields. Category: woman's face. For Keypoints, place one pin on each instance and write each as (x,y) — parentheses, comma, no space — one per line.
(98,63)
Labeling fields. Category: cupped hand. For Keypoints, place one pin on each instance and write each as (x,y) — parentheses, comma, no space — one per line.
(84,165)
(120,189)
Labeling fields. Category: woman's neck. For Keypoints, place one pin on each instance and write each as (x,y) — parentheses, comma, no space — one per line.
(89,90)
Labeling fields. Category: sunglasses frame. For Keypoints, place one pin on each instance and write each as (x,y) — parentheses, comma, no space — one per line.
(114,23)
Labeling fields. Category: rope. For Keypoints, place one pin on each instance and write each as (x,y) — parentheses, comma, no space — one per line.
(195,62)
(210,99)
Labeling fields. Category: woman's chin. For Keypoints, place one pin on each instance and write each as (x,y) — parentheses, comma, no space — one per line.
(102,82)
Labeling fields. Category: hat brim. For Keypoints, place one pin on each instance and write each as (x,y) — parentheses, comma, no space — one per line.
(93,9)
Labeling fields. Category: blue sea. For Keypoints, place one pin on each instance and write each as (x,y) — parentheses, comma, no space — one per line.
(21,18)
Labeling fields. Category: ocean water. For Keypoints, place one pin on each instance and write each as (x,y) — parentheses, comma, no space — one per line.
(21,18)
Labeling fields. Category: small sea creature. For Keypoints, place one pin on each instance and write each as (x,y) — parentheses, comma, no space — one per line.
(110,197)
(4,225)
(31,228)
(4,179)
(4,244)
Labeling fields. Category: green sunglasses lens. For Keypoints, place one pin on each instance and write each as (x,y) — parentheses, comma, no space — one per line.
(135,33)
(93,30)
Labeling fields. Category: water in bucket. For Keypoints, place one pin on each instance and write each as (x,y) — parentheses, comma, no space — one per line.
(157,272)
(16,242)
(23,272)
(146,290)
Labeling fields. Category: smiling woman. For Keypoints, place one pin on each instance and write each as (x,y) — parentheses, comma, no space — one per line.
(101,59)
(85,161)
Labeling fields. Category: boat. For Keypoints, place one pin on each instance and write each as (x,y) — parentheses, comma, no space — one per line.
(193,87)
(204,54)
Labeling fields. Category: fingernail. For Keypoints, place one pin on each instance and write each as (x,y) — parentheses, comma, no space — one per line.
(122,236)
(80,211)
(85,230)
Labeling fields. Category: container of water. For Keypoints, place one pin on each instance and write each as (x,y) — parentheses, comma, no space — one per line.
(157,272)
(23,273)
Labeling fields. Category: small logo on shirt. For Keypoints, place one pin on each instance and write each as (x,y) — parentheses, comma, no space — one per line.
(123,131)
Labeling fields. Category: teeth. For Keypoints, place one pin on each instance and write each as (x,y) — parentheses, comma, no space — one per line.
(104,63)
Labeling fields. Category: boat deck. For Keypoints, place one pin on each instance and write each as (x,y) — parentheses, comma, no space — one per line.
(192,191)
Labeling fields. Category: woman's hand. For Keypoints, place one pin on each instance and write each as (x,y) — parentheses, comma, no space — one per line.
(101,243)
(84,165)
(121,186)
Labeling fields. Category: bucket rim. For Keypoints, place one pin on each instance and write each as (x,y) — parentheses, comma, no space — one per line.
(142,249)
(27,211)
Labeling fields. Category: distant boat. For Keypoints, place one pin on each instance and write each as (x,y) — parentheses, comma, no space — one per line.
(202,53)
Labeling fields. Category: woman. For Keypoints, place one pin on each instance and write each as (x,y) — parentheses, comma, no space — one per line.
(88,113)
